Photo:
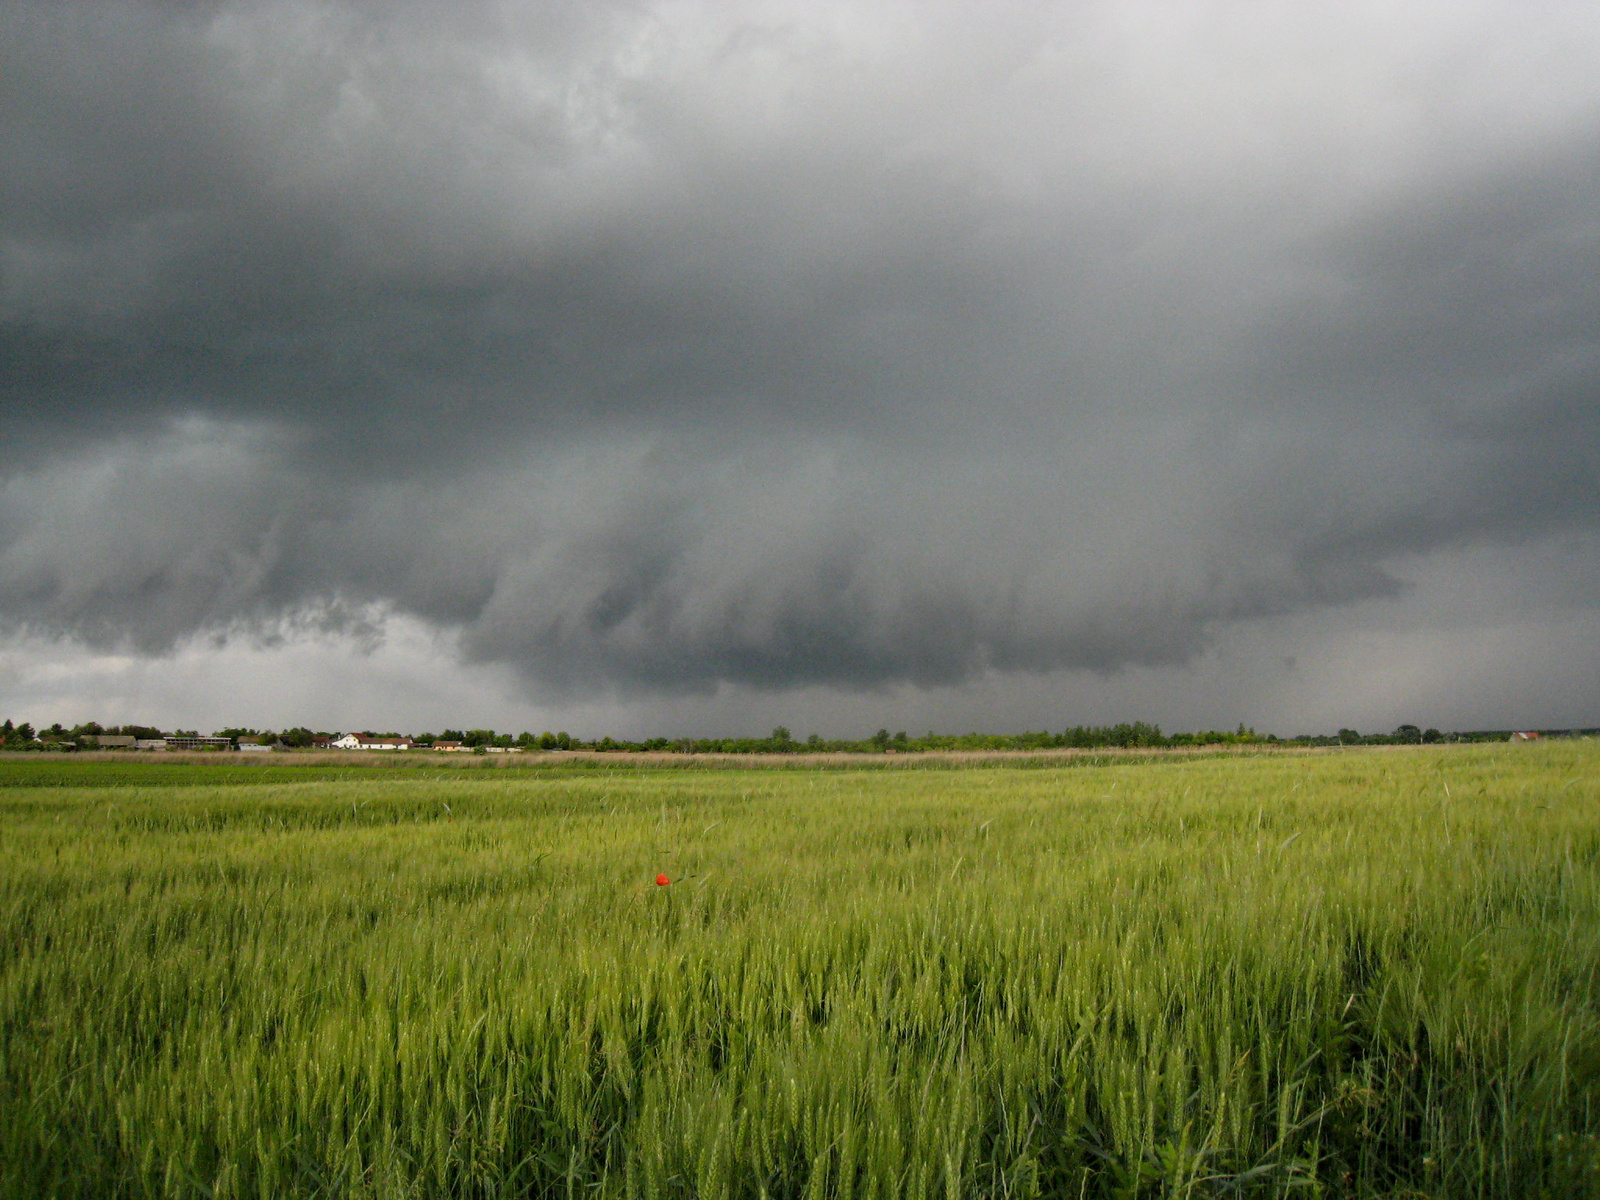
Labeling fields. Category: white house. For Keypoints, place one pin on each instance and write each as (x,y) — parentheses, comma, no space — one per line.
(363,741)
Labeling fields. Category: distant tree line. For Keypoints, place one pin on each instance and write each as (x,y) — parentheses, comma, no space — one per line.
(23,736)
(1137,735)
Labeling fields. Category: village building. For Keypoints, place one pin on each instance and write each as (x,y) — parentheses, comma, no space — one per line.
(198,743)
(371,741)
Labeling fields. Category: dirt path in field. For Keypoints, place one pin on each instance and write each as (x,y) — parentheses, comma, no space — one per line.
(670,758)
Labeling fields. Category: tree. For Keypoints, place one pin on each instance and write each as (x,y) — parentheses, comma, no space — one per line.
(1348,737)
(781,738)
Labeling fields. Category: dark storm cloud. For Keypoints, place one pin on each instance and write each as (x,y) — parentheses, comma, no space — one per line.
(369,226)
(655,347)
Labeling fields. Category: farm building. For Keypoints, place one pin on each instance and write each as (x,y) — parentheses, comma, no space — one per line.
(371,741)
(198,743)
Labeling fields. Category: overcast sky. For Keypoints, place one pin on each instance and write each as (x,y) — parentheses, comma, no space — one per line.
(661,368)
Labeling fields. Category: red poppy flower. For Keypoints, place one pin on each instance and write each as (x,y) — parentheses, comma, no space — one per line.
(662,881)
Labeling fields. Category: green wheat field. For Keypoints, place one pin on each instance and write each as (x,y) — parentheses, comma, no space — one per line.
(1348,973)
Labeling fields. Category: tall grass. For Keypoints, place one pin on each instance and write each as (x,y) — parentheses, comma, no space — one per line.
(1357,974)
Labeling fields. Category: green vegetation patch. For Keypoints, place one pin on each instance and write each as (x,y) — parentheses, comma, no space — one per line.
(1359,974)
(185,771)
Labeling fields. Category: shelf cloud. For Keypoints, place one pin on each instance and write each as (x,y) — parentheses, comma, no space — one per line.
(649,350)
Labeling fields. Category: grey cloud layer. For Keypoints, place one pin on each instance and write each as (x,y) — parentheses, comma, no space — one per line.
(656,346)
